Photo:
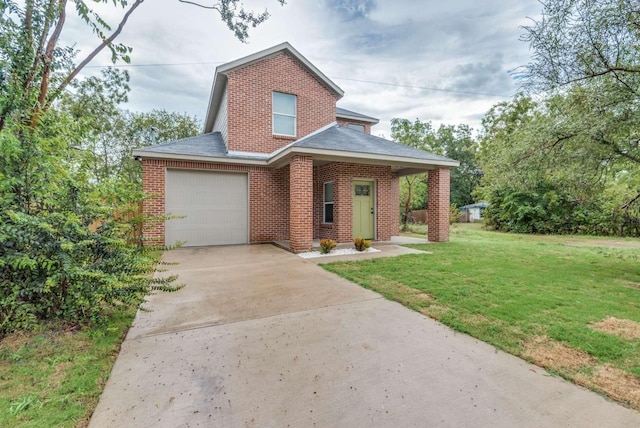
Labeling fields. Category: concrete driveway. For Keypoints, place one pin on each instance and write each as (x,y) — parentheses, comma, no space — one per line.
(262,338)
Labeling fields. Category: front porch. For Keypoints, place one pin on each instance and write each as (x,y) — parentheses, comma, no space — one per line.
(341,200)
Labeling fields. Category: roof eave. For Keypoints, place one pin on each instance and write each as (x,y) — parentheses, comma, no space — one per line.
(281,158)
(358,118)
(199,158)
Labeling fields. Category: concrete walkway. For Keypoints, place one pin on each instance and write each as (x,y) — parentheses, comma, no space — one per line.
(263,338)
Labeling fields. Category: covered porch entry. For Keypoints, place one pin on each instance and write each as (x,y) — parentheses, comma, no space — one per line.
(337,198)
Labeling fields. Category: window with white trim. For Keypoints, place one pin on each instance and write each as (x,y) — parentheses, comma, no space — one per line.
(327,211)
(284,114)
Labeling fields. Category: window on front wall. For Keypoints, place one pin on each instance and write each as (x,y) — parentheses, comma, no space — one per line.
(327,212)
(284,114)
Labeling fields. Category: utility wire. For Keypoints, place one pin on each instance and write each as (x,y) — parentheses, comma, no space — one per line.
(397,85)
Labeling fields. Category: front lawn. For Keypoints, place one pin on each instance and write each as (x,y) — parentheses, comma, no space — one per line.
(54,377)
(569,304)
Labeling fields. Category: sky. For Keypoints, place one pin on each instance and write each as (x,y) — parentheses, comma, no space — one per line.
(446,62)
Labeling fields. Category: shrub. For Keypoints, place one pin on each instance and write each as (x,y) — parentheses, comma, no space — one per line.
(326,245)
(361,244)
(454,214)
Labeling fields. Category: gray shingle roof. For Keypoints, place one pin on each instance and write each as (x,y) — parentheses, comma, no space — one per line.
(332,137)
(210,144)
(341,138)
(343,112)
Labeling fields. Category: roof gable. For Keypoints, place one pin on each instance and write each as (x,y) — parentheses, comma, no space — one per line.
(220,79)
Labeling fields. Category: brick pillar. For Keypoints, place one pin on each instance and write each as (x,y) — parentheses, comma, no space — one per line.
(301,203)
(439,201)
(153,185)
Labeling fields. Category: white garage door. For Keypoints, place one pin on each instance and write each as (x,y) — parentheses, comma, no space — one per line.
(214,205)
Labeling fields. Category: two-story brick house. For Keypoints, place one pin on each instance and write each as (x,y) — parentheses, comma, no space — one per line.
(278,161)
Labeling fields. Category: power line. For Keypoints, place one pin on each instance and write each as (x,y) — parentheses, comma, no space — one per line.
(423,87)
(152,65)
(397,85)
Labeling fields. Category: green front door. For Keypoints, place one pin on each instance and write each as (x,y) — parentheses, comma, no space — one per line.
(363,209)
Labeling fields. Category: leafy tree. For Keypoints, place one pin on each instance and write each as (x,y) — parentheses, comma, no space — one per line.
(69,243)
(36,69)
(586,54)
(539,183)
(584,40)
(451,141)
(459,144)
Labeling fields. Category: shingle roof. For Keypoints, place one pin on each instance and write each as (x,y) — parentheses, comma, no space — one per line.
(210,144)
(341,138)
(343,112)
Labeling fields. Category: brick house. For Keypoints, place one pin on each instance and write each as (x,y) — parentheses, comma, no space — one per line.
(278,161)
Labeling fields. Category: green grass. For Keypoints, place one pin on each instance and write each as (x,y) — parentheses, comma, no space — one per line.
(513,290)
(53,378)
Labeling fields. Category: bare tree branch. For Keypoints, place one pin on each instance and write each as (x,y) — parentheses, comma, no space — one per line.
(106,42)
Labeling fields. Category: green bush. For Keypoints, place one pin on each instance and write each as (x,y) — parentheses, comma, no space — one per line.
(70,247)
(547,209)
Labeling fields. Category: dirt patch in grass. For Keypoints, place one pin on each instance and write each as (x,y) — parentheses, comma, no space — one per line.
(634,285)
(614,382)
(554,355)
(435,311)
(15,341)
(625,329)
(400,292)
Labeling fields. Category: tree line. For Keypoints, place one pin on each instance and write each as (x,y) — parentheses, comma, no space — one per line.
(563,156)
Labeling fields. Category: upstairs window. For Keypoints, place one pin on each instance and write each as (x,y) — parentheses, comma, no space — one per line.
(327,216)
(356,127)
(284,114)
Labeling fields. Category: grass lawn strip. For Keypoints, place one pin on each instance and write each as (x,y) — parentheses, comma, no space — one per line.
(54,378)
(571,305)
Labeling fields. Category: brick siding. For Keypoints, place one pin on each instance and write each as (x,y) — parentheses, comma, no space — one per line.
(301,203)
(268,198)
(346,122)
(342,175)
(439,201)
(250,114)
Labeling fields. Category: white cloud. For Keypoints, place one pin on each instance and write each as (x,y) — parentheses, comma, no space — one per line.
(460,45)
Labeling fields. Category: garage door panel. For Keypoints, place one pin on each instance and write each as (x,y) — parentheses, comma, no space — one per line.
(215,206)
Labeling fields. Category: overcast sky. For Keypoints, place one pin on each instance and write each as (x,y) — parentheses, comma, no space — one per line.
(440,61)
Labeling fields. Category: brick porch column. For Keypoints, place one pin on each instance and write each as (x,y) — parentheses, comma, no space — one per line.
(301,203)
(439,201)
(153,184)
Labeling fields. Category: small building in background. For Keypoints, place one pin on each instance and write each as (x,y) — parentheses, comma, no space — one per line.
(473,212)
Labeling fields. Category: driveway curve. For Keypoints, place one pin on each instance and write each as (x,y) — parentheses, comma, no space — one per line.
(262,338)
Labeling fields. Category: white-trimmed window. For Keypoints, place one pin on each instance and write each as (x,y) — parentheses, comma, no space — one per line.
(284,114)
(327,209)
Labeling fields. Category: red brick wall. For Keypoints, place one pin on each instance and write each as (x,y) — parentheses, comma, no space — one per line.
(249,96)
(281,208)
(153,185)
(439,201)
(301,205)
(346,122)
(343,175)
(268,198)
